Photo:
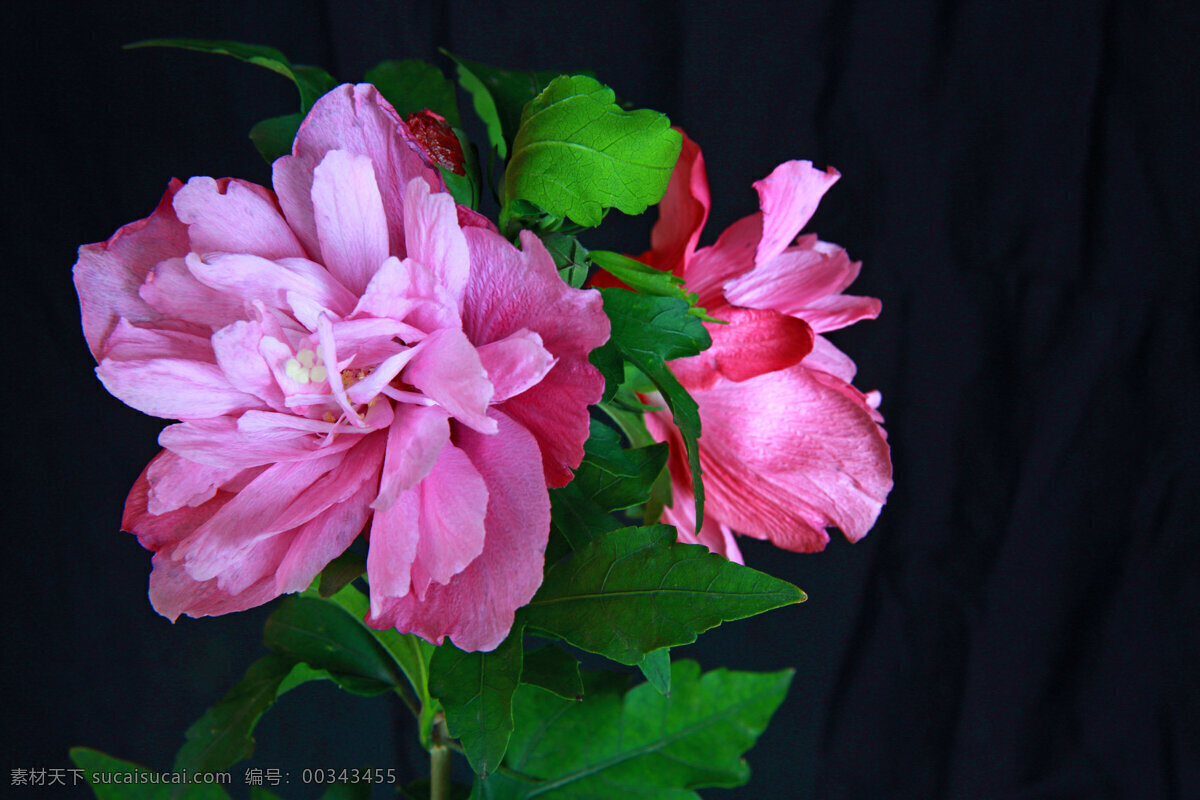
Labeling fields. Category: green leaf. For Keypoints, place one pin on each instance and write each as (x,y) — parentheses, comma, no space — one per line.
(223,735)
(578,153)
(554,670)
(639,276)
(312,82)
(608,479)
(636,590)
(324,636)
(476,693)
(569,256)
(656,666)
(647,332)
(273,137)
(341,571)
(499,96)
(642,745)
(136,783)
(412,86)
(607,358)
(464,188)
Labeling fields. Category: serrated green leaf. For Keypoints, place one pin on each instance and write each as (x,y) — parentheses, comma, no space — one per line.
(499,96)
(554,670)
(636,590)
(273,137)
(647,332)
(476,690)
(607,358)
(656,666)
(324,636)
(412,86)
(223,735)
(340,572)
(136,783)
(578,153)
(644,744)
(312,82)
(639,276)
(610,478)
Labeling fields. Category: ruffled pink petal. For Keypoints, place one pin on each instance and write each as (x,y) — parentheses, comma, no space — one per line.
(832,313)
(348,213)
(323,539)
(516,363)
(788,198)
(173,290)
(476,608)
(128,342)
(797,277)
(733,254)
(511,290)
(155,531)
(754,341)
(433,237)
(414,442)
(358,465)
(173,388)
(251,278)
(453,504)
(218,442)
(175,482)
(234,216)
(448,371)
(681,213)
(173,591)
(108,274)
(237,350)
(786,455)
(393,547)
(356,119)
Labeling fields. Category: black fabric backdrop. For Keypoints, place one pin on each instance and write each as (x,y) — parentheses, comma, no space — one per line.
(1020,181)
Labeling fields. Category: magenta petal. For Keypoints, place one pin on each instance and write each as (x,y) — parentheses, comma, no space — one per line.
(732,255)
(788,454)
(453,502)
(831,313)
(393,546)
(234,216)
(414,442)
(795,278)
(754,341)
(108,274)
(155,531)
(174,291)
(173,388)
(476,608)
(433,237)
(788,197)
(681,213)
(447,369)
(176,482)
(173,591)
(511,290)
(251,278)
(516,363)
(323,539)
(348,213)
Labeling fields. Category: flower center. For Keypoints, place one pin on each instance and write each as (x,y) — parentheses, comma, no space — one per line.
(306,367)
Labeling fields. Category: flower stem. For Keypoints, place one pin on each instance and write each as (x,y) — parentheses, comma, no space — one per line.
(439,761)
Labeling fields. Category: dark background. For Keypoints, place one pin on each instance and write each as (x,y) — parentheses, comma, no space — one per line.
(1020,181)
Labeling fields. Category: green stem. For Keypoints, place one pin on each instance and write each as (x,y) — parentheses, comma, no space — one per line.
(439,761)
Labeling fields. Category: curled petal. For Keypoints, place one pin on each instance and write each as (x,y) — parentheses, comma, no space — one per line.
(788,198)
(448,370)
(682,212)
(234,216)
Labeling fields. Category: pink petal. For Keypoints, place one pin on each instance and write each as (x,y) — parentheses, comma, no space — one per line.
(453,504)
(358,120)
(795,278)
(173,591)
(681,213)
(832,313)
(234,216)
(348,213)
(176,482)
(173,388)
(414,441)
(476,608)
(788,198)
(128,342)
(408,290)
(251,278)
(786,455)
(108,274)
(393,547)
(323,539)
(433,237)
(357,466)
(516,363)
(733,254)
(237,351)
(448,371)
(754,342)
(173,290)
(714,535)
(155,531)
(511,290)
(219,442)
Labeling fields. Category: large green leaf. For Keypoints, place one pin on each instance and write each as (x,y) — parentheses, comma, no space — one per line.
(647,332)
(608,479)
(636,590)
(554,670)
(100,770)
(223,736)
(273,137)
(476,691)
(412,86)
(656,666)
(578,153)
(642,744)
(499,96)
(312,82)
(324,636)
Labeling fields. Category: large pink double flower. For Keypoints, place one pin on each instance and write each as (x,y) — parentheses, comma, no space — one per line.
(354,352)
(787,447)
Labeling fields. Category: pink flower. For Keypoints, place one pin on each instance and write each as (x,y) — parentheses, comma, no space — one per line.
(354,352)
(787,447)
